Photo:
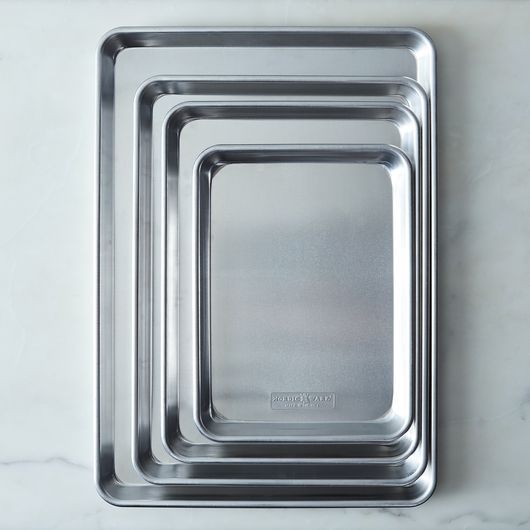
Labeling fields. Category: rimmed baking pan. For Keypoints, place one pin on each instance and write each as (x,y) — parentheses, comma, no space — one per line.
(225,52)
(324,424)
(256,250)
(196,113)
(187,112)
(152,92)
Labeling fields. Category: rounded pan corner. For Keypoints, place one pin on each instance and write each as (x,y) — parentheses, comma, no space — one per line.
(147,92)
(210,161)
(179,115)
(394,157)
(171,446)
(113,42)
(423,39)
(107,488)
(401,110)
(205,423)
(143,470)
(150,469)
(178,447)
(400,424)
(141,461)
(426,484)
(421,468)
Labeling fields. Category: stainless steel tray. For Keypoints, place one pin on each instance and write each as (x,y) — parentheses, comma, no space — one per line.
(246,184)
(328,425)
(411,95)
(234,52)
(411,450)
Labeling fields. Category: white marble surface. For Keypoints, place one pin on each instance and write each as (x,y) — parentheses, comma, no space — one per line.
(47,95)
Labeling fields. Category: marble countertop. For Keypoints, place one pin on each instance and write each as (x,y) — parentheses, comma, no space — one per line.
(47,137)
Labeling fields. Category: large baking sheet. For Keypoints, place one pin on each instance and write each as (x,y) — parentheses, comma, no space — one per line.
(228,52)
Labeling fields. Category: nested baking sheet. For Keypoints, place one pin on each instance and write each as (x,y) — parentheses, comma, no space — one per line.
(304,278)
(191,140)
(344,421)
(155,88)
(197,116)
(225,52)
(178,443)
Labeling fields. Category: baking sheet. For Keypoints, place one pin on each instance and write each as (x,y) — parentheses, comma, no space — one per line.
(115,331)
(153,90)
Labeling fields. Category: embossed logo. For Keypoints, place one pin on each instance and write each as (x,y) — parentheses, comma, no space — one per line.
(302,400)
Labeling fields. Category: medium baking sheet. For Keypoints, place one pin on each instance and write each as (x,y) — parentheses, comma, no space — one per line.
(187,113)
(386,428)
(153,90)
